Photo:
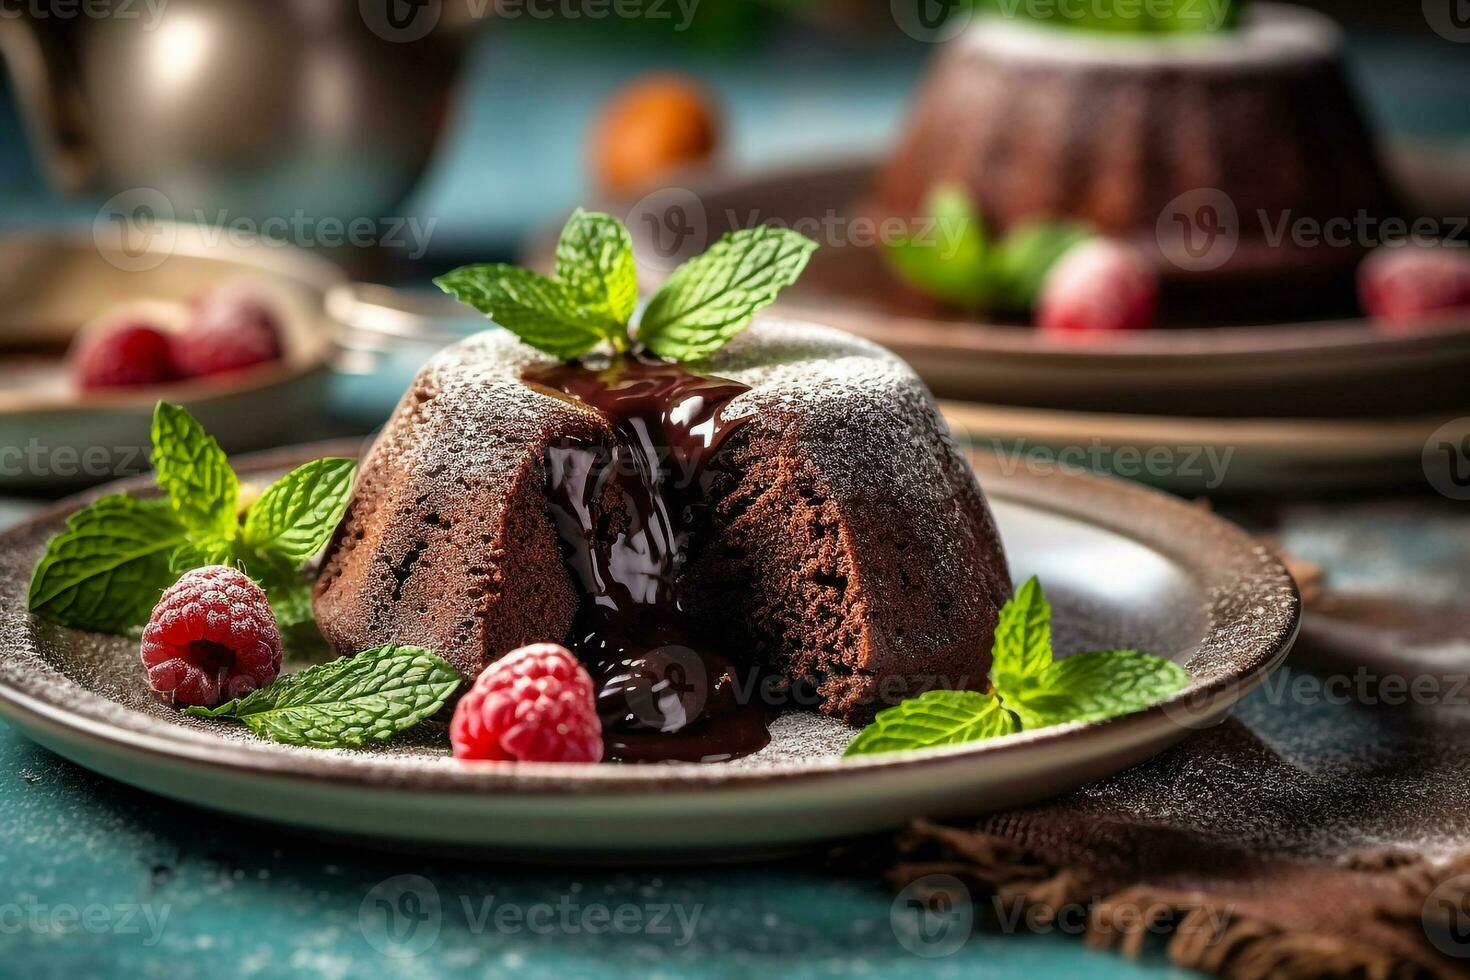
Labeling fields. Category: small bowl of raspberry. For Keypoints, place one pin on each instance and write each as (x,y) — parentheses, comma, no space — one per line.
(97,327)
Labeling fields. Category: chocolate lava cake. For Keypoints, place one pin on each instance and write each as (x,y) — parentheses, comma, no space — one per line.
(810,515)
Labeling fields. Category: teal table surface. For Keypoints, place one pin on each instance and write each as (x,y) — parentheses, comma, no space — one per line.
(100,880)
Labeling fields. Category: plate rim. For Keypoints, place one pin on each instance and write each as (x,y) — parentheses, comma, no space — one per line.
(1259,571)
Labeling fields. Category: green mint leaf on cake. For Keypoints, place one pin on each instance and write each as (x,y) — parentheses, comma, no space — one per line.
(543,312)
(594,292)
(110,565)
(1022,637)
(193,471)
(347,703)
(711,298)
(932,719)
(947,256)
(1024,258)
(1093,686)
(295,517)
(594,259)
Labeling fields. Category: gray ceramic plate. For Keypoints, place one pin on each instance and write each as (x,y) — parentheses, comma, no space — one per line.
(1124,567)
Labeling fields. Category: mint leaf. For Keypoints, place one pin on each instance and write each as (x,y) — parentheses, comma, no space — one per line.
(947,257)
(295,517)
(711,298)
(349,702)
(594,260)
(542,312)
(106,571)
(291,602)
(197,554)
(935,718)
(1092,686)
(1022,638)
(1025,257)
(192,469)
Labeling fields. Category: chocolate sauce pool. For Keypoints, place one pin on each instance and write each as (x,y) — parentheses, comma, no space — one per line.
(624,514)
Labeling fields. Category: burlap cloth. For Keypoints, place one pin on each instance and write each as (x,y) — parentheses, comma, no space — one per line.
(1324,830)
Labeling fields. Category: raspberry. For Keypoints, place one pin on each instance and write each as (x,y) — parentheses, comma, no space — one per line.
(121,354)
(1099,286)
(231,330)
(533,705)
(1404,285)
(212,637)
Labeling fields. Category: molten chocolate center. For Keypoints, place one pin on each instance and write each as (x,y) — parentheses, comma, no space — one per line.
(624,514)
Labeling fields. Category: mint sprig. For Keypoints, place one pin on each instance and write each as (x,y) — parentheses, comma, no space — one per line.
(1030,688)
(107,570)
(593,295)
(951,257)
(346,703)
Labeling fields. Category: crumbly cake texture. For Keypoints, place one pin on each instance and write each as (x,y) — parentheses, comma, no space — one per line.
(846,543)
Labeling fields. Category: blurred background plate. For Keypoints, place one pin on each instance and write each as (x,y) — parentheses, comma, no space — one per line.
(1299,369)
(53,282)
(1215,456)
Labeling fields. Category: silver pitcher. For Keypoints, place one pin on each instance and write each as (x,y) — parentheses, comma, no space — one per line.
(256,108)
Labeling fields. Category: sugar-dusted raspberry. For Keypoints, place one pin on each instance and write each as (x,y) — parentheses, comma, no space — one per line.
(1097,287)
(533,705)
(1402,286)
(212,637)
(231,329)
(122,353)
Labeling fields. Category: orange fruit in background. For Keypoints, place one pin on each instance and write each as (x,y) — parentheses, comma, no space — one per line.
(651,126)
